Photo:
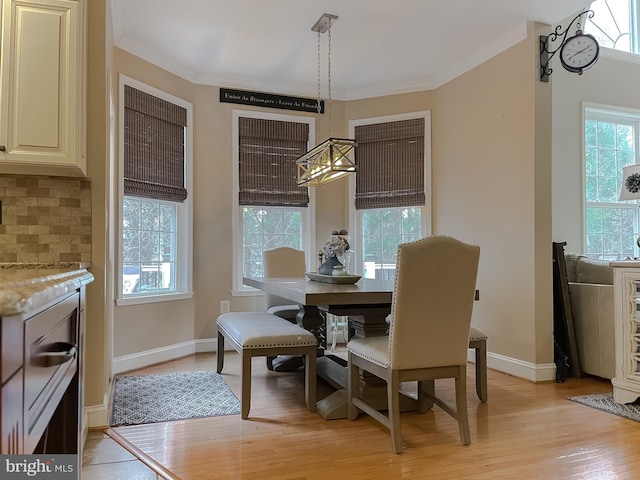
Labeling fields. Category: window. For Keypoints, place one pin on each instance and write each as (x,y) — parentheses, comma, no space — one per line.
(610,143)
(615,24)
(271,209)
(391,189)
(149,239)
(155,246)
(265,228)
(382,231)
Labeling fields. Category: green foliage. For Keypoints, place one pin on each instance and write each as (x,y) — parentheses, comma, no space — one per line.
(383,231)
(609,224)
(266,228)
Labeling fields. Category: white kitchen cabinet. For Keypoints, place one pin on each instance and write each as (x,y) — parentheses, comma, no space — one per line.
(42,85)
(626,288)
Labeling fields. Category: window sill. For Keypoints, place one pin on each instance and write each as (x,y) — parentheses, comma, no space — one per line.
(247,292)
(121,302)
(620,55)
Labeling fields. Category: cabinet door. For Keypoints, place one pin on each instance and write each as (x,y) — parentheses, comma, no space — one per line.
(42,100)
(11,406)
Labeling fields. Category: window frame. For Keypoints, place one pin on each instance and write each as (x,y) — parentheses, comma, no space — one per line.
(609,114)
(634,35)
(355,216)
(308,213)
(184,217)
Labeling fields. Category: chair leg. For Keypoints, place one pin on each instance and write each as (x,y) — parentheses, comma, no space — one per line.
(220,353)
(353,389)
(393,405)
(481,371)
(310,380)
(246,383)
(461,405)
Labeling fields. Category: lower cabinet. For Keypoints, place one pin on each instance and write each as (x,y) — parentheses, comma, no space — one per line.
(12,415)
(42,397)
(626,288)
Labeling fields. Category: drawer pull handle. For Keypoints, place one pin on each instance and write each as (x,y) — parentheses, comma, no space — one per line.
(60,352)
(3,148)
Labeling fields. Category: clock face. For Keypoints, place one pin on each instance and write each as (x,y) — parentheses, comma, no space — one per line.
(579,53)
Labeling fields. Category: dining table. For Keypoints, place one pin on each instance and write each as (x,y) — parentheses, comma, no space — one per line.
(366,303)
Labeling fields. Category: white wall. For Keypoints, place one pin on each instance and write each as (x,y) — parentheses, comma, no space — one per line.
(613,81)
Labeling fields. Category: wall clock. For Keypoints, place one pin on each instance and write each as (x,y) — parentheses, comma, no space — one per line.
(579,53)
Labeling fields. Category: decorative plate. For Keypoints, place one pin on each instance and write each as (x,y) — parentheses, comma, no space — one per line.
(340,279)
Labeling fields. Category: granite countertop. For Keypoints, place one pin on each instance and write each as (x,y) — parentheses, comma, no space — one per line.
(26,287)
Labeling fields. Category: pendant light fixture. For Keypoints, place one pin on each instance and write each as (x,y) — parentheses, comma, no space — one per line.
(329,160)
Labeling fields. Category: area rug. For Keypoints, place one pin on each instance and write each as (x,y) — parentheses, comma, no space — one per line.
(166,397)
(604,402)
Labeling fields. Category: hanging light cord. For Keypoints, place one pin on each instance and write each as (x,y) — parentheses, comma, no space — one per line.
(328,84)
(319,99)
(329,78)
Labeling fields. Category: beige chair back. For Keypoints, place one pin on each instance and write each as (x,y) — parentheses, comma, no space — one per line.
(432,303)
(282,262)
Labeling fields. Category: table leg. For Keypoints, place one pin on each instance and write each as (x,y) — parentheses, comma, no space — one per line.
(312,318)
(364,320)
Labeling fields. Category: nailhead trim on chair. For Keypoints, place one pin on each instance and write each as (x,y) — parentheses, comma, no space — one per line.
(476,334)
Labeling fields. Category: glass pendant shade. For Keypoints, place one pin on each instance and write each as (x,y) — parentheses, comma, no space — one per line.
(329,160)
(326,162)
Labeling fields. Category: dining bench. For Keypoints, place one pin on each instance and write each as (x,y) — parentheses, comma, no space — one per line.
(259,334)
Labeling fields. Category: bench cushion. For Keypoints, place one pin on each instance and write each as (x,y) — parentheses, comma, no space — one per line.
(263,330)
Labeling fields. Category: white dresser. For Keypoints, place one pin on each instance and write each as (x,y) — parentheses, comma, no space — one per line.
(626,285)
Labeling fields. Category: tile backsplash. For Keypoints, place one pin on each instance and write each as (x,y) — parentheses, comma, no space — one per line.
(45,219)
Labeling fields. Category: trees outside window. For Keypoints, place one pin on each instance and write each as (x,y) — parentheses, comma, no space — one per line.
(149,240)
(264,229)
(610,143)
(382,231)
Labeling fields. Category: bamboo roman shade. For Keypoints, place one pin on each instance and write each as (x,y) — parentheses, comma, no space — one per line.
(267,170)
(390,159)
(154,150)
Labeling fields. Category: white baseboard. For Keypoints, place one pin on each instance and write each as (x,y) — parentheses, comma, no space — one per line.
(207,345)
(150,357)
(518,368)
(98,415)
(495,361)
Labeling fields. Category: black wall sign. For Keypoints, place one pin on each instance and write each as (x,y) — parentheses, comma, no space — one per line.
(259,99)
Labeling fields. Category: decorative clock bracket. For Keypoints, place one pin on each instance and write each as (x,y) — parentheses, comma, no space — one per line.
(547,53)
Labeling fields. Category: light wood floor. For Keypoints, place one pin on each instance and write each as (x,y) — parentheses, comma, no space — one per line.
(525,431)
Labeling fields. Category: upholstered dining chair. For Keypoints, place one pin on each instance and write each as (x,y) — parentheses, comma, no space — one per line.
(283,262)
(477,342)
(428,335)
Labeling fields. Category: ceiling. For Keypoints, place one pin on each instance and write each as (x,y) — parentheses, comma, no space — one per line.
(379,47)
